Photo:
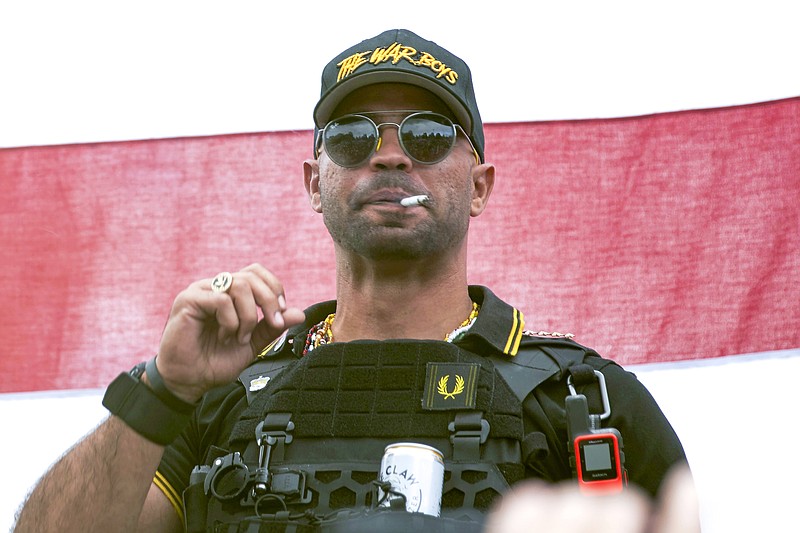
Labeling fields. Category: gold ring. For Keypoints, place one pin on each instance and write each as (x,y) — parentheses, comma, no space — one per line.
(222,282)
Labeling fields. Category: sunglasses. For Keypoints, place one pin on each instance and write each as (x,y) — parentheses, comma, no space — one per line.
(425,137)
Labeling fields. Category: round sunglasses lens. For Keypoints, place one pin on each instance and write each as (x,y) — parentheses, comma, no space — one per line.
(349,141)
(428,138)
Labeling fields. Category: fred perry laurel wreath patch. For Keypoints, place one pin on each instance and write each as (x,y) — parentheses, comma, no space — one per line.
(450,386)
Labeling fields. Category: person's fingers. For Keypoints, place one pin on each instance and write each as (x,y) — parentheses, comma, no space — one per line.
(214,328)
(252,289)
(269,295)
(520,509)
(626,512)
(678,508)
(242,293)
(197,305)
(536,507)
(265,332)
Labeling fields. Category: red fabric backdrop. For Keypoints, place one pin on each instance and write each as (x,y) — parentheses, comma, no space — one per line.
(659,238)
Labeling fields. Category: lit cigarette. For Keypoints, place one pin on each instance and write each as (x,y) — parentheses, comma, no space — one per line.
(414,200)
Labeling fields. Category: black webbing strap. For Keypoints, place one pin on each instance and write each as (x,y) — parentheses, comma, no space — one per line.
(585,381)
(279,426)
(582,374)
(467,432)
(534,447)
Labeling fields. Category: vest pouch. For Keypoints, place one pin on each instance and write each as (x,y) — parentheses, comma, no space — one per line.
(342,485)
(344,474)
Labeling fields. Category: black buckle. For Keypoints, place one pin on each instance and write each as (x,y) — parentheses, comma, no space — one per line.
(271,435)
(275,431)
(467,432)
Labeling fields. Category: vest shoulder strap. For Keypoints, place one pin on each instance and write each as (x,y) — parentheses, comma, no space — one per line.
(538,360)
(270,361)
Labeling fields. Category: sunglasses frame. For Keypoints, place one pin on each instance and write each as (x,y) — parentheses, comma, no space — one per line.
(378,138)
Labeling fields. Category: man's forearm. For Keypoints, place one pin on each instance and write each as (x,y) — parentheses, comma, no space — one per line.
(99,485)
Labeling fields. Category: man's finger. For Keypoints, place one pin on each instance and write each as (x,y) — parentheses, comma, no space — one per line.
(264,332)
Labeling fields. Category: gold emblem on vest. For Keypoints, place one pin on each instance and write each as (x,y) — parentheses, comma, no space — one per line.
(450,386)
(457,389)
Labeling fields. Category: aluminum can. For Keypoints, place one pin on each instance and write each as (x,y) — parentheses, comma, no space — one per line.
(417,472)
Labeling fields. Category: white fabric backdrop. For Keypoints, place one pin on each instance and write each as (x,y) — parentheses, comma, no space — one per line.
(738,448)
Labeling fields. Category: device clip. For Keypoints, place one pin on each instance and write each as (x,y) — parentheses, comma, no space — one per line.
(271,435)
(594,419)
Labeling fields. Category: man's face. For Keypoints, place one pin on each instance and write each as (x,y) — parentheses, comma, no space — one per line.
(360,206)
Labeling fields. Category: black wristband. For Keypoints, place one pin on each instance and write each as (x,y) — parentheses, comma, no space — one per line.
(156,383)
(142,410)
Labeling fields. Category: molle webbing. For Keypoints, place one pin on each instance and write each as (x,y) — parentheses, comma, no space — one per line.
(346,401)
(374,389)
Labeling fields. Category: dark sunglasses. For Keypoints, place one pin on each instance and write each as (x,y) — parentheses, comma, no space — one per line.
(425,137)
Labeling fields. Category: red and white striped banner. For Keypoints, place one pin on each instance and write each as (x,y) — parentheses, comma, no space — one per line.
(667,237)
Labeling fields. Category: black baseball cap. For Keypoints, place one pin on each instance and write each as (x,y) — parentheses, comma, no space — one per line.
(402,56)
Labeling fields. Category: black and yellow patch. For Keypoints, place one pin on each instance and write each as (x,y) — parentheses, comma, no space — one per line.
(450,386)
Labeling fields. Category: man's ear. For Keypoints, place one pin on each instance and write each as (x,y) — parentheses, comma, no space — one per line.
(483,183)
(311,182)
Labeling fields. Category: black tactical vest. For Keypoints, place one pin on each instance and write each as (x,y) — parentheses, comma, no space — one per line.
(304,455)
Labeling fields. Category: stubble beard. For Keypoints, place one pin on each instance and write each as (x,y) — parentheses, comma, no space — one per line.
(394,238)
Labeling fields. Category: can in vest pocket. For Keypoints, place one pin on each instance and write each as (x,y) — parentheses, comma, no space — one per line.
(415,472)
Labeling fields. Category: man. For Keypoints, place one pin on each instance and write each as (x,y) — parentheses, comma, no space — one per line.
(408,352)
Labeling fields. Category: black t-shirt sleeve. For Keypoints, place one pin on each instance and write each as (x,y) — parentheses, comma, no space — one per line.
(209,427)
(180,458)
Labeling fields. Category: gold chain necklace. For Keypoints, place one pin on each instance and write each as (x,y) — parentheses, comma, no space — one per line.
(322,333)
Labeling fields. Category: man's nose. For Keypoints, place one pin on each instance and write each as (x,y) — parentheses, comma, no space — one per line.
(390,154)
